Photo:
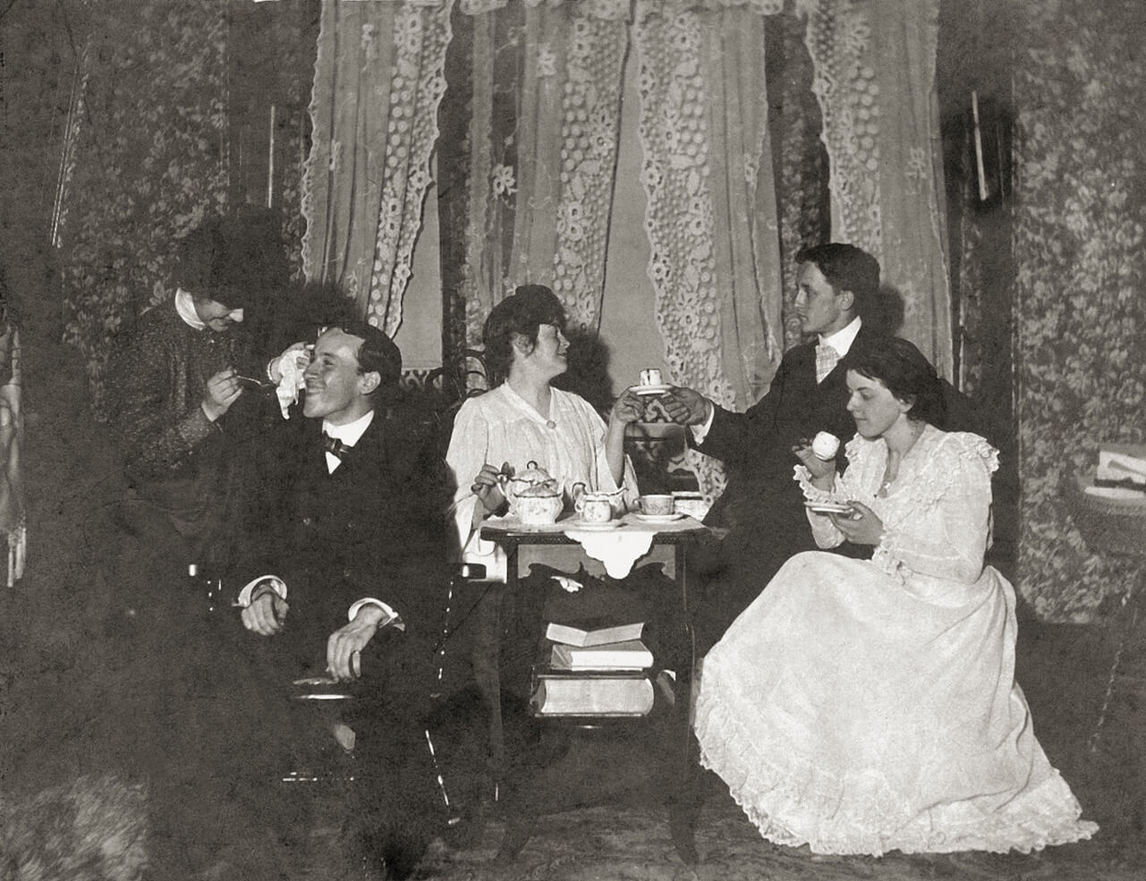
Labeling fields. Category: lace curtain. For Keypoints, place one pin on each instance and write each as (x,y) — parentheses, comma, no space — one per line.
(532,126)
(875,81)
(377,84)
(711,218)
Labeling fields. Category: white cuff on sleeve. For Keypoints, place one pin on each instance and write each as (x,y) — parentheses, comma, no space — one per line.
(272,581)
(393,619)
(700,432)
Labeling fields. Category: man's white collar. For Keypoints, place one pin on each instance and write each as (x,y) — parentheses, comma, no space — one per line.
(351,432)
(185,308)
(843,338)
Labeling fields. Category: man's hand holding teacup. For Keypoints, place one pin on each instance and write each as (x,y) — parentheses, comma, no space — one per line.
(685,406)
(862,527)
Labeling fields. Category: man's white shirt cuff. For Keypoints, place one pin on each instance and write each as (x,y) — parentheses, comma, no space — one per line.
(700,432)
(272,581)
(392,619)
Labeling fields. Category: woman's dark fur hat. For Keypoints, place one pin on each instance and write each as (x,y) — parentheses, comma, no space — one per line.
(237,259)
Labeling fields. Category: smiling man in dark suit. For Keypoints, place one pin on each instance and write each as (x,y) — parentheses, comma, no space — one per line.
(762,506)
(352,533)
(355,510)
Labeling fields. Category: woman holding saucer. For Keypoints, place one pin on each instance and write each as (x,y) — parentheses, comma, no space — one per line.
(862,706)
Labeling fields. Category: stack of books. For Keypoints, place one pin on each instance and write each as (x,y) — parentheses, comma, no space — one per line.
(596,671)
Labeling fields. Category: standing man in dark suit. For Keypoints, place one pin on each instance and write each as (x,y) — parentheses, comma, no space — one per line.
(762,506)
(353,547)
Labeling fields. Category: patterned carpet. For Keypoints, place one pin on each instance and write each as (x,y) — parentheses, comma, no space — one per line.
(633,844)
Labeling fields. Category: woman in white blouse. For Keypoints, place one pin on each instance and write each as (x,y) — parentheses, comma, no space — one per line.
(524,419)
(863,706)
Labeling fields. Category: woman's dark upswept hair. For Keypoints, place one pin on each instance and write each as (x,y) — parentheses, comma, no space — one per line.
(907,374)
(522,312)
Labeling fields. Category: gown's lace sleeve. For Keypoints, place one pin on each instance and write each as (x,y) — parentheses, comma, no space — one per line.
(944,529)
(823,530)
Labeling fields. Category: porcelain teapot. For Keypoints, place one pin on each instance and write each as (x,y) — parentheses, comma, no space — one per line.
(534,496)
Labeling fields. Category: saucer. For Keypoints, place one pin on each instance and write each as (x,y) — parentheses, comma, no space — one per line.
(658,518)
(320,688)
(584,526)
(650,389)
(828,507)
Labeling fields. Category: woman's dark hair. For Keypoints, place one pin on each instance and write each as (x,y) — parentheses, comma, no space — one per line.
(523,312)
(237,259)
(907,374)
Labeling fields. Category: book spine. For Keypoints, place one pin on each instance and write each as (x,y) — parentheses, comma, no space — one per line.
(577,696)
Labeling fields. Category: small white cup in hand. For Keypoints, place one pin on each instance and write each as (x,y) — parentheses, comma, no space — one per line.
(825,446)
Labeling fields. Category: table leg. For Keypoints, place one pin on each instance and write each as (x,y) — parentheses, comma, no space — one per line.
(684,798)
(496,724)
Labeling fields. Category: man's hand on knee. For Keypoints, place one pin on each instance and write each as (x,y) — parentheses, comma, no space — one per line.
(266,614)
(344,648)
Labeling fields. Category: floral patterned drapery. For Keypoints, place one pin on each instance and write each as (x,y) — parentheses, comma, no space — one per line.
(1080,249)
(152,149)
(711,218)
(378,81)
(875,81)
(143,174)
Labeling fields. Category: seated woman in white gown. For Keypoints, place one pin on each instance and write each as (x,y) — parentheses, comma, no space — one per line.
(863,706)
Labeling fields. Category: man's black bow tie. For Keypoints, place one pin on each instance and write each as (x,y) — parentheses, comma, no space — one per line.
(334,446)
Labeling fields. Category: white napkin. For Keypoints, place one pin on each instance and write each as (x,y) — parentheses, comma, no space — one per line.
(291,383)
(617,549)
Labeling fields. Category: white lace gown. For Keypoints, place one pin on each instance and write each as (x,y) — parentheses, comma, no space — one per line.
(863,706)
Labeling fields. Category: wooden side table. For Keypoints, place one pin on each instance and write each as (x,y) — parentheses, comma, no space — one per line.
(1110,526)
(682,799)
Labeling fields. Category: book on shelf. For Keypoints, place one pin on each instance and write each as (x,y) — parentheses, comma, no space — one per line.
(601,694)
(593,634)
(631,654)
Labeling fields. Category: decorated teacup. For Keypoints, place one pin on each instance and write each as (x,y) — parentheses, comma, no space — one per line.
(658,505)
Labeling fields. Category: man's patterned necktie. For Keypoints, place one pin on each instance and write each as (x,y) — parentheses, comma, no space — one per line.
(826,360)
